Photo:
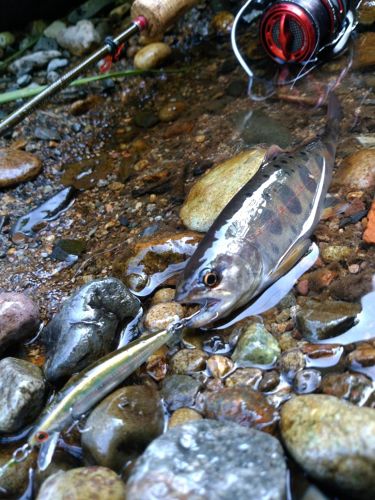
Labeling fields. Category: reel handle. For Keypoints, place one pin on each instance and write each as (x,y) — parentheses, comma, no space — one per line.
(160,14)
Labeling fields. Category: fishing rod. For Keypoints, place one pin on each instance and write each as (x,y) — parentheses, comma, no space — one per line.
(150,16)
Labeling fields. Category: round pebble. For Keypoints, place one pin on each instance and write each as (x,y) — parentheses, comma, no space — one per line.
(152,56)
(291,362)
(17,166)
(183,415)
(306,381)
(160,316)
(188,361)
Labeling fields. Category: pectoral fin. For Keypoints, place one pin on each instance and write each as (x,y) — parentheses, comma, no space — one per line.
(289,260)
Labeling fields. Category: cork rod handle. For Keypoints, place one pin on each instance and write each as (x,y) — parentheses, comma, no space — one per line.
(161,14)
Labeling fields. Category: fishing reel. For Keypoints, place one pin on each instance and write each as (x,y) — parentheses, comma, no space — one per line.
(299,33)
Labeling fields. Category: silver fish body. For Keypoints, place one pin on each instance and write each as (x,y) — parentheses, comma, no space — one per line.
(263,230)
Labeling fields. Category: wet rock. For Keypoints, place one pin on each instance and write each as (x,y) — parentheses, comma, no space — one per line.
(152,56)
(14,480)
(249,377)
(188,361)
(122,425)
(19,318)
(27,64)
(336,253)
(45,43)
(24,80)
(214,189)
(256,346)
(270,381)
(199,460)
(146,119)
(366,13)
(145,265)
(57,64)
(258,128)
(182,416)
(179,391)
(241,405)
(160,316)
(78,39)
(364,56)
(369,234)
(321,278)
(222,22)
(357,171)
(353,387)
(163,295)
(291,362)
(85,329)
(306,381)
(17,166)
(21,393)
(219,366)
(83,483)
(319,321)
(362,356)
(49,210)
(333,441)
(171,111)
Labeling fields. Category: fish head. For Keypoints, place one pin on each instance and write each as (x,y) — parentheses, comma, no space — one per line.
(218,286)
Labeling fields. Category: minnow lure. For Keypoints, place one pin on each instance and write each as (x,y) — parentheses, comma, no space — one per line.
(264,230)
(85,390)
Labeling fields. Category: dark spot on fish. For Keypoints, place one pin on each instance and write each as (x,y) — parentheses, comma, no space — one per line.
(307,178)
(290,200)
(293,229)
(275,249)
(303,153)
(290,156)
(275,225)
(266,176)
(267,196)
(284,161)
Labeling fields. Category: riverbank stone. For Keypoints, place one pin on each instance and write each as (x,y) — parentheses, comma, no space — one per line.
(17,166)
(122,425)
(21,393)
(256,345)
(210,460)
(334,441)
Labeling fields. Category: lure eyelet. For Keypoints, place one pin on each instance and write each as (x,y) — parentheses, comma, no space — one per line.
(211,279)
(42,436)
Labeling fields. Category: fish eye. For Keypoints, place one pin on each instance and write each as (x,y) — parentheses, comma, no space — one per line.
(42,436)
(211,279)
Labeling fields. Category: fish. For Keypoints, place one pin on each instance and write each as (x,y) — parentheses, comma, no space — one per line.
(264,230)
(83,391)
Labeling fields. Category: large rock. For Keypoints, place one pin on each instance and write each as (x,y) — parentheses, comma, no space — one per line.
(256,346)
(152,56)
(19,318)
(87,325)
(122,425)
(78,39)
(208,460)
(17,166)
(83,483)
(21,393)
(333,441)
(319,321)
(212,192)
(357,171)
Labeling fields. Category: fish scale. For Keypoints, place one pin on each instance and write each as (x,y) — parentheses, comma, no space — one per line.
(264,229)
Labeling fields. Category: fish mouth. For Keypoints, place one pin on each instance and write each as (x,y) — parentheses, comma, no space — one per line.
(208,312)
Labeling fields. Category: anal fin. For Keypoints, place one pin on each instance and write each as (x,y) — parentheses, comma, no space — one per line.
(288,260)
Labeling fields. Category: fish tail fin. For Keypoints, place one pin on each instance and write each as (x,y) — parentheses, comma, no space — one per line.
(334,117)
